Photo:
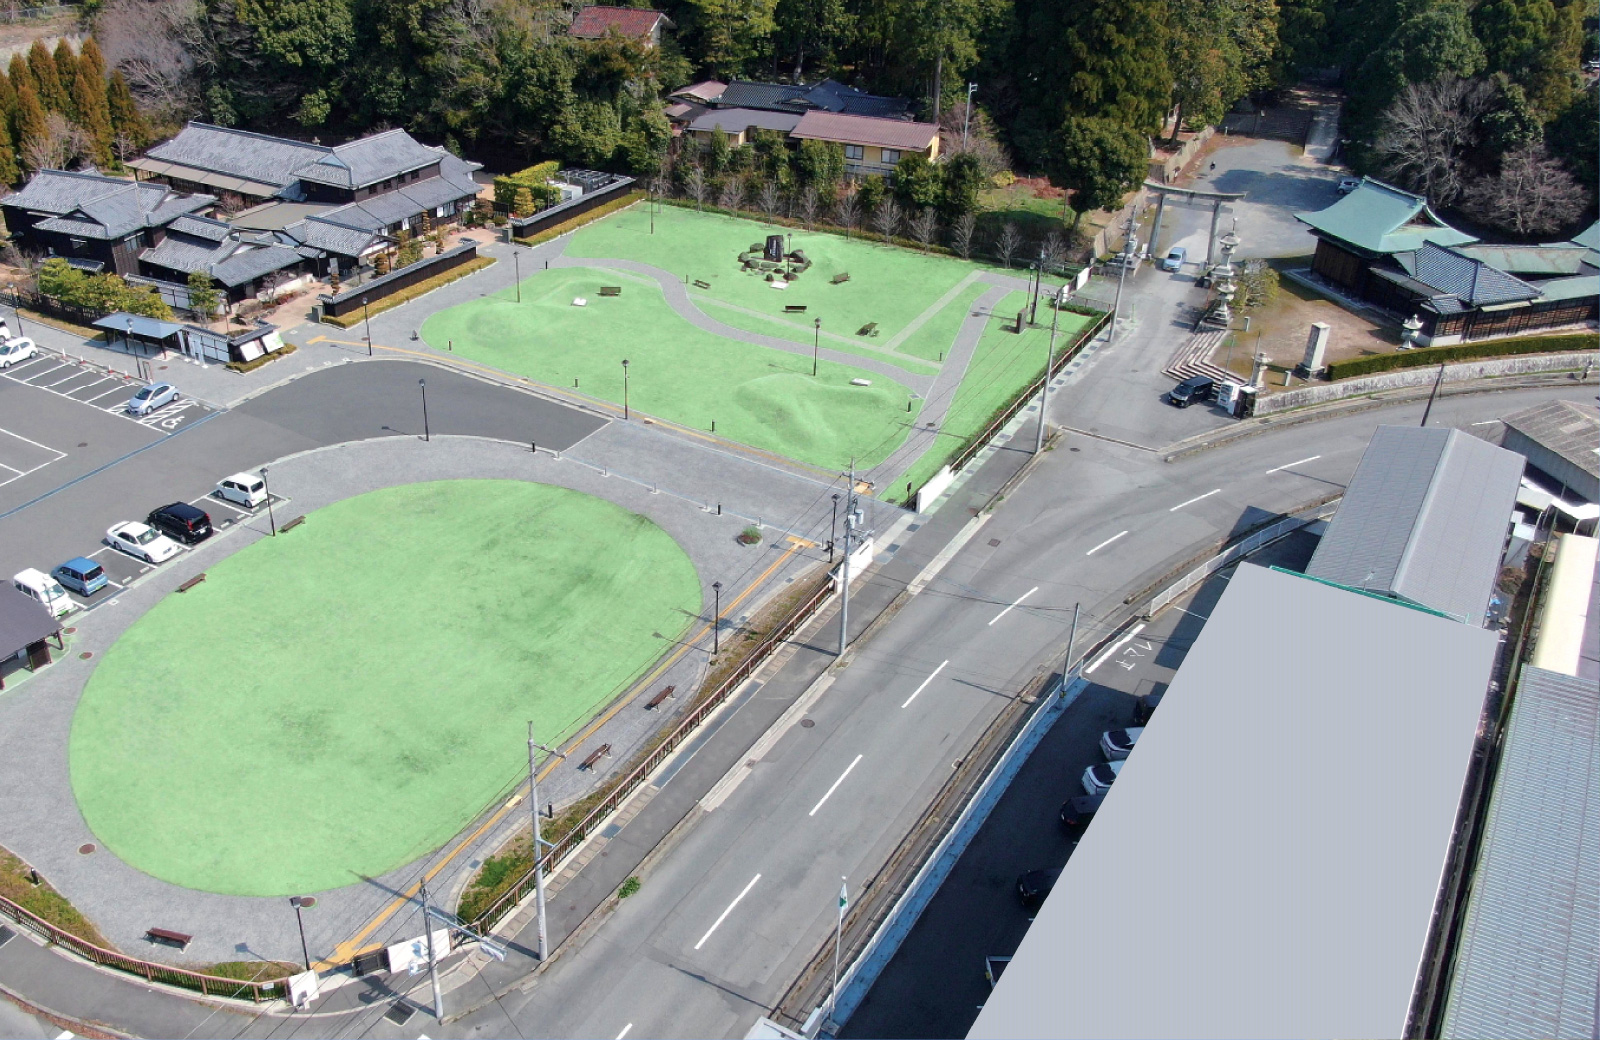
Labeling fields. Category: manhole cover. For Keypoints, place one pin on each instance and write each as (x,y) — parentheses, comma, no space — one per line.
(86,654)
(83,444)
(1074,449)
(71,630)
(993,542)
(807,723)
(86,849)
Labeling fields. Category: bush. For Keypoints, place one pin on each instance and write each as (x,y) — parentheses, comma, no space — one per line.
(104,293)
(535,180)
(581,219)
(252,365)
(1426,356)
(750,536)
(629,887)
(410,293)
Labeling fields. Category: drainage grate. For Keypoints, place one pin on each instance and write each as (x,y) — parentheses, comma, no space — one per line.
(401,1013)
(6,935)
(993,542)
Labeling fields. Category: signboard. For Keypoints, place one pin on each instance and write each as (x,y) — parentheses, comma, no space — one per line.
(774,250)
(412,955)
(303,989)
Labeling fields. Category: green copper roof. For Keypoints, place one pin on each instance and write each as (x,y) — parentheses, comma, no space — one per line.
(1382,220)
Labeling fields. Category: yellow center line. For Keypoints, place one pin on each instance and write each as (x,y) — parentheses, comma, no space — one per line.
(356,943)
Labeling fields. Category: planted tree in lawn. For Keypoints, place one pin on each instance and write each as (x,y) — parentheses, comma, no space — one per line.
(925,226)
(809,204)
(961,230)
(847,211)
(694,185)
(1007,243)
(732,193)
(886,219)
(768,198)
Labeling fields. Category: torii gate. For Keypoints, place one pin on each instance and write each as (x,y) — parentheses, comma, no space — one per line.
(1216,198)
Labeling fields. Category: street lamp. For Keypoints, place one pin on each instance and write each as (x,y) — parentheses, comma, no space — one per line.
(516,265)
(716,617)
(423,385)
(626,414)
(299,903)
(816,343)
(268,489)
(366,320)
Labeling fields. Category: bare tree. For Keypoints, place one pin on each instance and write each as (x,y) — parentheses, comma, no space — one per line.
(1425,132)
(961,230)
(1054,250)
(982,140)
(1533,194)
(886,219)
(847,211)
(156,44)
(809,204)
(925,226)
(62,143)
(694,185)
(769,197)
(1008,242)
(732,193)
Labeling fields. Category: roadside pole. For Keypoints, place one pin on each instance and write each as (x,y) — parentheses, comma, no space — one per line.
(433,961)
(1049,363)
(538,841)
(844,568)
(1066,662)
(1122,278)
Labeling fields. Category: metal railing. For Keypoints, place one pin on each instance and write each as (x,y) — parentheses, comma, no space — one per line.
(166,974)
(1238,551)
(492,914)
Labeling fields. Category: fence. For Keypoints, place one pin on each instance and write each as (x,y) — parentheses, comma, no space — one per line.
(55,308)
(384,285)
(1463,372)
(526,227)
(207,985)
(491,915)
(1233,553)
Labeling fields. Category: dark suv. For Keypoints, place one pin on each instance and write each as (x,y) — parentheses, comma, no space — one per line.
(1195,388)
(1077,812)
(182,522)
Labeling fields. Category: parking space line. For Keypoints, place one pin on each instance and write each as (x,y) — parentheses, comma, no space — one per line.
(718,923)
(1113,648)
(835,786)
(119,388)
(30,379)
(78,373)
(1013,606)
(924,685)
(213,500)
(15,470)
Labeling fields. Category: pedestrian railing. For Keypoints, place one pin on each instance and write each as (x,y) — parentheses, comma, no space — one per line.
(166,974)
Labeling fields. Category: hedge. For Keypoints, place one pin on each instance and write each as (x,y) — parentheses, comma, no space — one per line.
(410,293)
(581,219)
(255,363)
(535,178)
(1425,356)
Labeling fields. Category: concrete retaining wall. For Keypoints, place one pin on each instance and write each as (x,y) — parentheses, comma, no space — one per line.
(1460,372)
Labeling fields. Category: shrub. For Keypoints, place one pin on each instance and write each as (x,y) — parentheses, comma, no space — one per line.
(629,887)
(103,293)
(1426,356)
(535,180)
(750,535)
(255,363)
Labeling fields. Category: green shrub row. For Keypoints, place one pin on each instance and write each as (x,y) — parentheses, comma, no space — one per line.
(410,293)
(581,219)
(102,293)
(255,363)
(536,179)
(1426,356)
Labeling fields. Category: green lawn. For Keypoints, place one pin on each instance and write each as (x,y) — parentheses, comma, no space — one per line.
(334,702)
(757,396)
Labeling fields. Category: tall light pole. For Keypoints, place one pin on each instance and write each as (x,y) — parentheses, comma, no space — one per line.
(1038,287)
(716,617)
(268,489)
(539,843)
(366,320)
(422,384)
(1049,363)
(816,343)
(516,267)
(306,902)
(967,120)
(626,412)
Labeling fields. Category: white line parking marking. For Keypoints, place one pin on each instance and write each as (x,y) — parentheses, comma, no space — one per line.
(835,786)
(1195,499)
(1113,648)
(1105,543)
(1013,606)
(212,500)
(924,685)
(30,379)
(118,389)
(718,923)
(1296,462)
(13,469)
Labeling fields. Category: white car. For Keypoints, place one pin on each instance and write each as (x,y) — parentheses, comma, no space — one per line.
(1117,744)
(151,397)
(1348,184)
(142,541)
(1097,779)
(245,489)
(13,351)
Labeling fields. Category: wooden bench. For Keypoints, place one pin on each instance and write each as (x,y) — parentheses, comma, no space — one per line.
(841,278)
(794,308)
(661,698)
(192,582)
(168,937)
(292,524)
(869,329)
(611,290)
(698,284)
(595,756)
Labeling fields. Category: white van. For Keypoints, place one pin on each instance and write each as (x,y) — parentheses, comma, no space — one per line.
(46,590)
(243,489)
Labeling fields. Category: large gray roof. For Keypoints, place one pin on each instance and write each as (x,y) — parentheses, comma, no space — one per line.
(1528,959)
(337,238)
(369,160)
(1469,279)
(1267,862)
(1425,519)
(91,206)
(827,96)
(236,260)
(238,153)
(1564,427)
(23,621)
(738,120)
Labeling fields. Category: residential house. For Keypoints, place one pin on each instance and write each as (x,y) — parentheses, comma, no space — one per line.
(799,98)
(633,23)
(687,104)
(1386,247)
(871,145)
(96,223)
(244,263)
(740,124)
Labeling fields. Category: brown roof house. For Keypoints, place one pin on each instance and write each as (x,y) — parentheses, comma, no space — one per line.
(871,144)
(634,23)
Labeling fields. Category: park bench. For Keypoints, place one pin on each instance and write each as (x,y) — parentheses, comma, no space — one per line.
(292,524)
(168,937)
(841,278)
(595,756)
(192,582)
(698,284)
(869,329)
(794,308)
(661,698)
(611,290)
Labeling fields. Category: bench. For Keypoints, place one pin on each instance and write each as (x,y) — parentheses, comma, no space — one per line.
(192,582)
(841,278)
(611,290)
(168,937)
(794,308)
(869,329)
(698,284)
(661,698)
(595,756)
(292,524)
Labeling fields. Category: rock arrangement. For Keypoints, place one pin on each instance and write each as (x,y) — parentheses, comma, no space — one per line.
(753,261)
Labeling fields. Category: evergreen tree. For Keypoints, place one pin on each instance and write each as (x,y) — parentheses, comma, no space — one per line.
(94,116)
(32,126)
(66,61)
(128,128)
(92,60)
(1099,160)
(18,73)
(52,93)
(10,172)
(8,103)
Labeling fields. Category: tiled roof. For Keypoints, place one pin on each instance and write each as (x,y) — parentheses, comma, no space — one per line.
(832,96)
(238,153)
(1534,261)
(59,191)
(200,227)
(339,239)
(827,96)
(774,97)
(90,206)
(180,253)
(738,120)
(248,264)
(1469,280)
(232,262)
(866,130)
(594,22)
(1383,220)
(369,160)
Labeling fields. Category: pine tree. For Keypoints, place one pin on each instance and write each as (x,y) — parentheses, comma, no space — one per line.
(8,103)
(10,172)
(128,127)
(66,60)
(19,73)
(94,116)
(31,124)
(52,94)
(92,60)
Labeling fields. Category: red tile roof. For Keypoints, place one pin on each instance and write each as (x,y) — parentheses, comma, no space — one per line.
(594,22)
(870,130)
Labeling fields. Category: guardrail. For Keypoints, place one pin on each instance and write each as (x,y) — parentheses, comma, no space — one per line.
(207,985)
(1233,553)
(492,914)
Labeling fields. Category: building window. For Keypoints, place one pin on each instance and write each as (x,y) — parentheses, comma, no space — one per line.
(854,151)
(77,243)
(442,211)
(891,156)
(415,174)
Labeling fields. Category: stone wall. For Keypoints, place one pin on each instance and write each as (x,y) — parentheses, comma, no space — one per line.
(1460,372)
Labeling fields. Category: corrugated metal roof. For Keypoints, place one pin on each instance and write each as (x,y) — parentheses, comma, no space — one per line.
(1424,519)
(1266,863)
(1564,427)
(1528,957)
(866,130)
(1382,219)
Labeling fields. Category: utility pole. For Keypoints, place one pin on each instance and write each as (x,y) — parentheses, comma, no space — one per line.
(1066,664)
(1122,277)
(1038,286)
(539,843)
(967,119)
(433,961)
(1049,363)
(844,568)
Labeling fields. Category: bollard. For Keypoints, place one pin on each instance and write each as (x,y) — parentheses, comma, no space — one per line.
(533,447)
(450,345)
(713,426)
(719,508)
(574,383)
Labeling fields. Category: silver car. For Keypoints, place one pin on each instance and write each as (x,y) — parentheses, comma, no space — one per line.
(151,397)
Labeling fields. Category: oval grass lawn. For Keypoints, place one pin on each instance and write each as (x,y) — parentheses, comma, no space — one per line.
(334,702)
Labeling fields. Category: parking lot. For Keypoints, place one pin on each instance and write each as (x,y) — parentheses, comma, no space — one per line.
(79,381)
(20,456)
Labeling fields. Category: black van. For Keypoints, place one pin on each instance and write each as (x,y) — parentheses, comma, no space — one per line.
(181,521)
(1195,388)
